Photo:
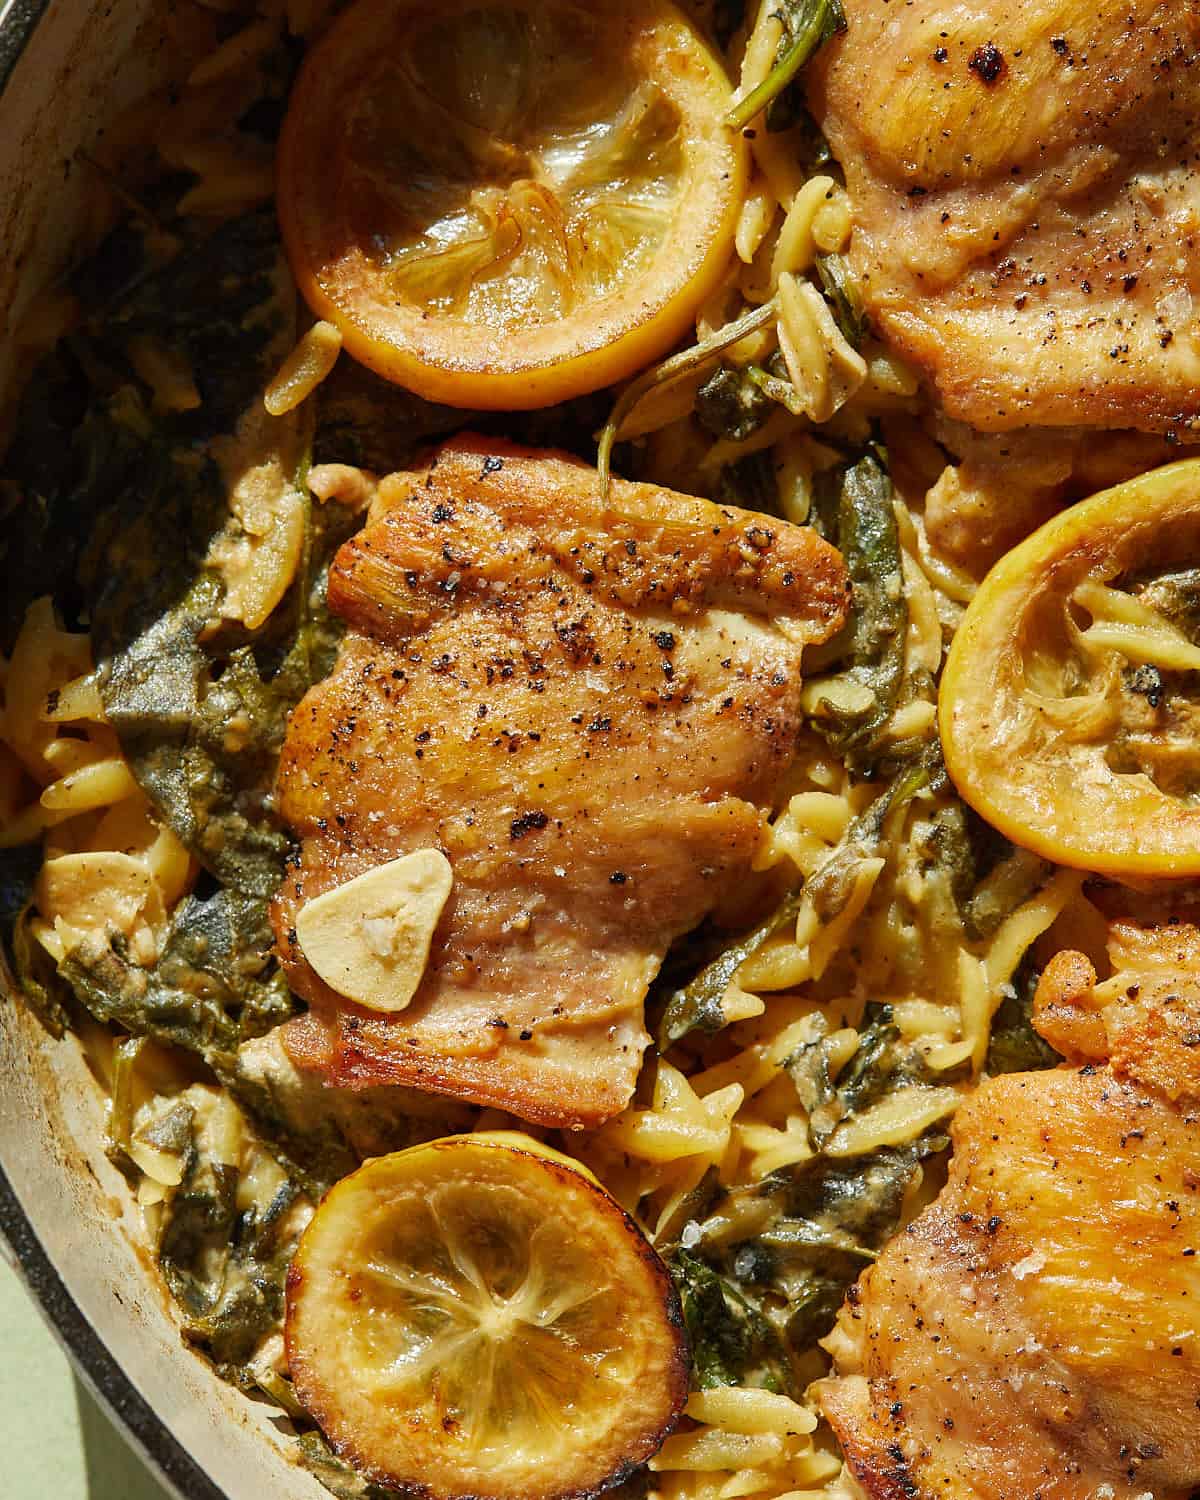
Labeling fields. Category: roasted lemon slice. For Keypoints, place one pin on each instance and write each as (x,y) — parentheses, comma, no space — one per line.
(476,1316)
(1070,701)
(506,203)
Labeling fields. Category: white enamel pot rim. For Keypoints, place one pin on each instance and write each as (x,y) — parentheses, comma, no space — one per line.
(67,1218)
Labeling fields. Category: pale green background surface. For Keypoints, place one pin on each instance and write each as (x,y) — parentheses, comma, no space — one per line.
(55,1441)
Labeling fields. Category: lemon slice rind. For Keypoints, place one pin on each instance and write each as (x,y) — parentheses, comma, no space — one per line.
(477,1316)
(508,257)
(1028,745)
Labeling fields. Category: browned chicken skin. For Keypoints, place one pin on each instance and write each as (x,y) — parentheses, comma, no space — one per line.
(587,708)
(1035,1333)
(1026,201)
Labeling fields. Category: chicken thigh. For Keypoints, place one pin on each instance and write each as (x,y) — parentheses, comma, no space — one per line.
(1035,1333)
(1023,175)
(585,705)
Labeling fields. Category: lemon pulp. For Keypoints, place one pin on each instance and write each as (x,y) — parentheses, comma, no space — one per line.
(525,182)
(1067,704)
(507,204)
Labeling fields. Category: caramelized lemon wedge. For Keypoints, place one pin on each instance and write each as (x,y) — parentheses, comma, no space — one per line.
(476,1316)
(506,203)
(1070,700)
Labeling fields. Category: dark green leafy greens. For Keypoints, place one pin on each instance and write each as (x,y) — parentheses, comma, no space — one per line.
(842,294)
(1011,880)
(225,1266)
(335,1474)
(200,705)
(224,306)
(214,985)
(201,714)
(673,369)
(882,1062)
(831,884)
(755,1307)
(951,849)
(985,877)
(830,1215)
(833,1219)
(729,1336)
(749,482)
(859,519)
(1013,1045)
(730,405)
(736,400)
(219,302)
(133,497)
(365,421)
(696,1005)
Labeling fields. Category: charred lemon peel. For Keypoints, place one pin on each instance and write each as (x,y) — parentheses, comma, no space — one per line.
(1069,703)
(505,205)
(477,1316)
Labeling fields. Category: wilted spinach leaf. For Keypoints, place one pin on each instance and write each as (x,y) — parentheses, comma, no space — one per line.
(834,1217)
(729,1337)
(1012,879)
(225,1267)
(1014,1046)
(729,405)
(200,704)
(807,25)
(200,707)
(223,303)
(881,1063)
(696,1005)
(828,1220)
(870,650)
(749,482)
(335,1474)
(214,985)
(830,885)
(842,294)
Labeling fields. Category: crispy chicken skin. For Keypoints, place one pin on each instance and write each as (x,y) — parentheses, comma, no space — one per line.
(1026,200)
(1036,1331)
(587,708)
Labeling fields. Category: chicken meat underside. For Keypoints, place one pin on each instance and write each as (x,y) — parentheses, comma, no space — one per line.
(1025,197)
(1035,1333)
(587,705)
